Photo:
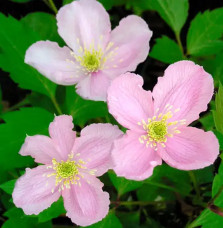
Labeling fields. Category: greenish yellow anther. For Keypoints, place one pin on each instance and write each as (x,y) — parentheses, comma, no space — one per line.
(157,131)
(91,61)
(66,169)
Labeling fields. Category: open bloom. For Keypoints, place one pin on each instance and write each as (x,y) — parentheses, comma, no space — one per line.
(70,168)
(95,55)
(158,121)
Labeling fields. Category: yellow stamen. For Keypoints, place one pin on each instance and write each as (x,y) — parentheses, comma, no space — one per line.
(158,128)
(68,172)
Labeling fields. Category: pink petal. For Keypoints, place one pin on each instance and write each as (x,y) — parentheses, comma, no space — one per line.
(86,21)
(33,191)
(132,159)
(86,204)
(186,86)
(128,102)
(191,149)
(94,87)
(131,39)
(53,62)
(95,146)
(41,148)
(61,132)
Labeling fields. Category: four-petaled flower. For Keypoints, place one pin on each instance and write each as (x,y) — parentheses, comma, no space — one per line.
(70,168)
(96,55)
(158,121)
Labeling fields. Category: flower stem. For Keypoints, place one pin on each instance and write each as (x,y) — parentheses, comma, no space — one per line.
(16,106)
(139,203)
(179,43)
(217,195)
(51,5)
(56,105)
(211,207)
(195,183)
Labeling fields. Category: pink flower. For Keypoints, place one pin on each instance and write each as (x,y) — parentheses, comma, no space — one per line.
(158,121)
(95,55)
(70,168)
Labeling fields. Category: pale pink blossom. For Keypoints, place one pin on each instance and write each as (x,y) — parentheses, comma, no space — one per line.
(70,168)
(158,121)
(95,55)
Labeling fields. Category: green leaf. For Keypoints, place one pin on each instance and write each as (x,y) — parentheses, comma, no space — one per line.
(218,114)
(107,4)
(204,34)
(8,186)
(207,121)
(18,124)
(169,178)
(220,139)
(156,193)
(139,6)
(54,211)
(173,12)
(41,101)
(213,65)
(164,183)
(218,68)
(67,2)
(166,50)
(18,219)
(129,219)
(123,185)
(44,24)
(205,175)
(83,110)
(209,219)
(217,184)
(15,38)
(110,221)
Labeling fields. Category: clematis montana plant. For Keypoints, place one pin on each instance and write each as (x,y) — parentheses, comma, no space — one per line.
(158,121)
(70,168)
(95,55)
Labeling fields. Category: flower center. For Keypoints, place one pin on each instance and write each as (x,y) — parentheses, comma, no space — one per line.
(91,60)
(68,172)
(159,128)
(66,169)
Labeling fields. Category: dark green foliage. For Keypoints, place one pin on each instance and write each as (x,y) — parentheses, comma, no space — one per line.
(204,34)
(166,50)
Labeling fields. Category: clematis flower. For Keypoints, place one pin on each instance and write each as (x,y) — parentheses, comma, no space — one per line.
(158,121)
(70,168)
(95,55)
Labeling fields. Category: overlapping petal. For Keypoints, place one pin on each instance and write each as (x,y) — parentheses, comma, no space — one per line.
(128,102)
(33,191)
(130,45)
(132,159)
(95,145)
(62,134)
(41,148)
(86,204)
(184,85)
(84,23)
(94,86)
(53,62)
(191,149)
